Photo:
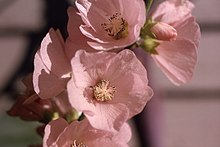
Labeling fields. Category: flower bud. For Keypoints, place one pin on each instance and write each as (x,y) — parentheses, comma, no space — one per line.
(164,32)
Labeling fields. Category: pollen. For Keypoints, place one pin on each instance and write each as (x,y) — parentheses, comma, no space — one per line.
(103,91)
(116,27)
(78,145)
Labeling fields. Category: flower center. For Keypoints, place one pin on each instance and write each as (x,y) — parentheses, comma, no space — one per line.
(116,27)
(103,91)
(78,145)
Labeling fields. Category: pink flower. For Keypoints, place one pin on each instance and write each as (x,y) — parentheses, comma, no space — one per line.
(59,133)
(178,34)
(51,66)
(108,88)
(31,107)
(108,24)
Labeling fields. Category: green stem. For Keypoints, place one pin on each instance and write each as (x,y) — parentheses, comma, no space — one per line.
(148,5)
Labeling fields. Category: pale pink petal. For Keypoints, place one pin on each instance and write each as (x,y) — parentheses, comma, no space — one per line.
(107,142)
(173,11)
(53,54)
(52,131)
(77,100)
(134,33)
(124,135)
(134,93)
(73,46)
(83,7)
(46,84)
(90,33)
(94,68)
(108,117)
(177,60)
(134,12)
(76,40)
(118,139)
(76,131)
(73,25)
(107,43)
(190,30)
(74,22)
(136,89)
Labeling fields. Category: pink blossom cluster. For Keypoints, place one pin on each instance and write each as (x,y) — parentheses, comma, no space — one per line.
(85,88)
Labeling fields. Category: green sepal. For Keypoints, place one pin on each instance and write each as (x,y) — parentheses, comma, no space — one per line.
(145,30)
(148,5)
(149,45)
(55,115)
(72,115)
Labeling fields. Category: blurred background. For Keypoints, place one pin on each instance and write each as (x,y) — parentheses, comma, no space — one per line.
(185,116)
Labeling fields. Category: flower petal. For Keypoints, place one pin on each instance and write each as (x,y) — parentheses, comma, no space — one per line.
(90,33)
(124,135)
(52,131)
(173,11)
(76,131)
(108,117)
(135,92)
(134,12)
(117,44)
(189,29)
(53,54)
(46,84)
(177,59)
(76,40)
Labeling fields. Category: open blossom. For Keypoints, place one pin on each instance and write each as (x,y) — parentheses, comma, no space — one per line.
(58,133)
(51,66)
(107,24)
(110,90)
(178,35)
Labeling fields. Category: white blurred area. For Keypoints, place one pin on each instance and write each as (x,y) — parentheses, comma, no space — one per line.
(190,113)
(21,14)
